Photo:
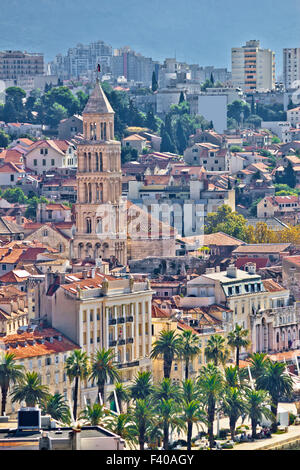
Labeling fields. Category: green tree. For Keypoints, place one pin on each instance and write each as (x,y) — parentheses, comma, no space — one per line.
(165,390)
(30,389)
(55,114)
(151,121)
(181,97)
(141,418)
(278,383)
(103,369)
(77,369)
(142,387)
(215,350)
(233,406)
(237,339)
(120,425)
(122,394)
(154,82)
(258,364)
(189,347)
(14,195)
(167,348)
(211,387)
(181,139)
(167,412)
(224,220)
(4,139)
(10,373)
(56,407)
(256,407)
(192,408)
(238,110)
(94,414)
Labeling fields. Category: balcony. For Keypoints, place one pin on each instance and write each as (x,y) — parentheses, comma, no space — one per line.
(121,342)
(112,321)
(112,343)
(129,319)
(128,364)
(129,340)
(121,320)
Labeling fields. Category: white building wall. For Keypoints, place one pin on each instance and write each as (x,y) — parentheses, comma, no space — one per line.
(214,108)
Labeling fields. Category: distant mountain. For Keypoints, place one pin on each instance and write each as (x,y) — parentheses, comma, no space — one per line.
(197,31)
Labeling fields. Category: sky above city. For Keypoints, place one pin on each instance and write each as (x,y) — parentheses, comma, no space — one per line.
(197,31)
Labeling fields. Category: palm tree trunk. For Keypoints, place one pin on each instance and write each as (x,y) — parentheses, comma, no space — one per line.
(237,357)
(75,398)
(274,407)
(142,441)
(210,426)
(3,401)
(166,437)
(101,392)
(253,425)
(186,368)
(189,435)
(167,368)
(232,422)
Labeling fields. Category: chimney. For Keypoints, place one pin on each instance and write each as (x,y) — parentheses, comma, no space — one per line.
(218,269)
(209,270)
(231,271)
(84,273)
(250,268)
(19,218)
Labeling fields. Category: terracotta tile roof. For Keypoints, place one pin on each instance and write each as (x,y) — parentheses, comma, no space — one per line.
(218,238)
(57,207)
(134,137)
(10,167)
(262,248)
(276,200)
(260,262)
(15,276)
(159,313)
(27,349)
(272,286)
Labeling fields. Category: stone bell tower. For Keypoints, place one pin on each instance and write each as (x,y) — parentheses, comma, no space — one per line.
(100,231)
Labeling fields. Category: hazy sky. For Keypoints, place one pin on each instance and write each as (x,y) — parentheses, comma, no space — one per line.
(198,31)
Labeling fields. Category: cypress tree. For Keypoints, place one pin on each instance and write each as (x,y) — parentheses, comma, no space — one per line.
(154,82)
(181,98)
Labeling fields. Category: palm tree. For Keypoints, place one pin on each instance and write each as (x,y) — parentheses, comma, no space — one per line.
(189,346)
(167,412)
(211,386)
(142,386)
(238,338)
(278,383)
(192,414)
(103,369)
(215,350)
(120,425)
(10,373)
(166,347)
(189,391)
(233,405)
(141,418)
(256,409)
(165,391)
(77,369)
(122,394)
(94,414)
(258,363)
(30,389)
(56,407)
(235,377)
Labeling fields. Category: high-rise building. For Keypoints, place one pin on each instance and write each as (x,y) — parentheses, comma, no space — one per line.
(99,184)
(291,66)
(253,68)
(134,67)
(16,64)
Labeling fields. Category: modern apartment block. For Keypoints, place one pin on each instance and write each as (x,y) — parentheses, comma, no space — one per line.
(291,66)
(253,68)
(133,66)
(16,64)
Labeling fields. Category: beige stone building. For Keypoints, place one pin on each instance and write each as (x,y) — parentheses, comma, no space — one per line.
(100,311)
(44,351)
(13,310)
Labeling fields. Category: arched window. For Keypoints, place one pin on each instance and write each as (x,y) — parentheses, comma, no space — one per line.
(88,225)
(99,227)
(101,162)
(97,161)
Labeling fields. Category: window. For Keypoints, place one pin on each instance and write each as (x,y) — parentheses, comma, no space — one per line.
(52,161)
(56,359)
(48,361)
(34,162)
(44,162)
(12,177)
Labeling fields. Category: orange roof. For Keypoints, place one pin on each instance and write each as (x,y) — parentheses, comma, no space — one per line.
(26,350)
(272,286)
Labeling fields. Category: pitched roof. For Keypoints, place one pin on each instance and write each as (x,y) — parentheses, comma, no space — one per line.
(262,248)
(98,102)
(271,286)
(159,313)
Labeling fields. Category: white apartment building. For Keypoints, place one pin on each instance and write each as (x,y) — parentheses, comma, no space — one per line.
(253,68)
(293,116)
(291,66)
(46,155)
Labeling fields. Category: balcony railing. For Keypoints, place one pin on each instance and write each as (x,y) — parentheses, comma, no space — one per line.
(129,319)
(121,342)
(121,320)
(112,343)
(128,364)
(112,321)
(129,340)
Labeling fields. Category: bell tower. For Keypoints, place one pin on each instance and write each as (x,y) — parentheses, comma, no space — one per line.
(99,184)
